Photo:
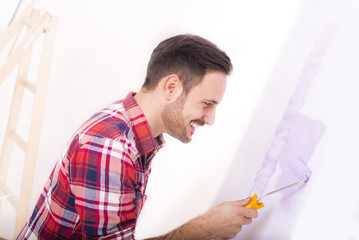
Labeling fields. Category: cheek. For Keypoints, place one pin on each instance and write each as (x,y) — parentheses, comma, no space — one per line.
(194,115)
(192,111)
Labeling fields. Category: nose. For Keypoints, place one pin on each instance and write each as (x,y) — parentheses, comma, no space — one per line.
(210,116)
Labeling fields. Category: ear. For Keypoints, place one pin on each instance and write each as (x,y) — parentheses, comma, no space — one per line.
(171,87)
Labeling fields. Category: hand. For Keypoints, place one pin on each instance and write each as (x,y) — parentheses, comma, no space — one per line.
(226,219)
(221,222)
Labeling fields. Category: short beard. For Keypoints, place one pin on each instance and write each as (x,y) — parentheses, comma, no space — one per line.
(173,119)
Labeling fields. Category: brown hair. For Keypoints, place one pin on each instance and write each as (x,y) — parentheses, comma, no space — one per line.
(188,56)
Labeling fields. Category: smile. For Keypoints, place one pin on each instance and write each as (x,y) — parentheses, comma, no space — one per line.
(194,126)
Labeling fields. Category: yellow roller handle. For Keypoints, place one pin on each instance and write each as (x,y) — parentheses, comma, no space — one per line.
(254,204)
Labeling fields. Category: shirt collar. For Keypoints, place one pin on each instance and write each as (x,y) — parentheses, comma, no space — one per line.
(146,143)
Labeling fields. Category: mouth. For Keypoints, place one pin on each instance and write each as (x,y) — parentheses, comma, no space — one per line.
(195,125)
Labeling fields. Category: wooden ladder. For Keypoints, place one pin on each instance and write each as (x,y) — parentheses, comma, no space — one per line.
(21,56)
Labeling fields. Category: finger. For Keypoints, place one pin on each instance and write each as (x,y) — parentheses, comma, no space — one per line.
(247,221)
(244,202)
(250,213)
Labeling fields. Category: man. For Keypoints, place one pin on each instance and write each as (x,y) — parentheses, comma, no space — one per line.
(97,189)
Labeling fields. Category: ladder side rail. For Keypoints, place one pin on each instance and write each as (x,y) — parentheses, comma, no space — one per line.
(14,27)
(10,132)
(26,44)
(36,122)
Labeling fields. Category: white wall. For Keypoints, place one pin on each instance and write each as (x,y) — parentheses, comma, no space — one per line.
(101,53)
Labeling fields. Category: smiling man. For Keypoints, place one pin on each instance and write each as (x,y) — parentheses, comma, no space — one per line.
(97,188)
(182,112)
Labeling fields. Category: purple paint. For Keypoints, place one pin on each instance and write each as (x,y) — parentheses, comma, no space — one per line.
(300,145)
(296,136)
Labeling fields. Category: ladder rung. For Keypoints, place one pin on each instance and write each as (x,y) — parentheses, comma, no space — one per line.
(29,85)
(27,21)
(18,140)
(4,191)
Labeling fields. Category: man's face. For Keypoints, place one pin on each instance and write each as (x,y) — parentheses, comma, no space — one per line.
(185,114)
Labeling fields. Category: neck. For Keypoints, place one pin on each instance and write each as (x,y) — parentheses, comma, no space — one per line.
(151,108)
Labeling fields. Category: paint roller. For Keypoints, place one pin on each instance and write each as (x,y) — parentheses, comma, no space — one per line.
(300,145)
(256,203)
(305,132)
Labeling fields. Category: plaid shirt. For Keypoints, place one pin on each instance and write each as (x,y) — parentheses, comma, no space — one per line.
(97,188)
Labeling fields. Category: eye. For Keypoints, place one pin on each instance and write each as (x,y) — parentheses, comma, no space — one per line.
(207,104)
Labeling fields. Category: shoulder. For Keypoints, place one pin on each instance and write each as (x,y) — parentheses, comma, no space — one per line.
(109,122)
(108,131)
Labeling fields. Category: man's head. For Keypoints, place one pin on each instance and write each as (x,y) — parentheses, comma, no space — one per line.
(183,114)
(187,74)
(190,57)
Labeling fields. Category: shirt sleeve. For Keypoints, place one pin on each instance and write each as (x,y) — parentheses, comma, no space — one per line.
(102,178)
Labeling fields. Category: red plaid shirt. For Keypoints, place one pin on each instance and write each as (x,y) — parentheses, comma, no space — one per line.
(97,188)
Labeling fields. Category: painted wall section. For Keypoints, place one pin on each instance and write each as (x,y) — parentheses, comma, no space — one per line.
(332,99)
(296,136)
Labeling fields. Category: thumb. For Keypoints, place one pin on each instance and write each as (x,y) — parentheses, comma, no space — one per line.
(244,202)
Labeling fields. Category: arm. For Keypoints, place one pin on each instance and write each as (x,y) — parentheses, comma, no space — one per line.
(102,179)
(221,222)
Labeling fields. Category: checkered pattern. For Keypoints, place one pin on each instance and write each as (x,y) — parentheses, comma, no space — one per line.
(97,188)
